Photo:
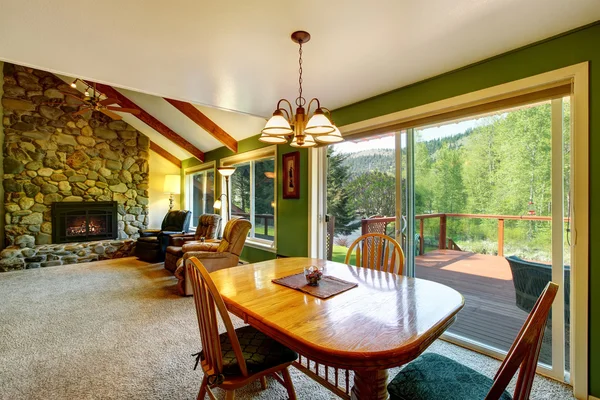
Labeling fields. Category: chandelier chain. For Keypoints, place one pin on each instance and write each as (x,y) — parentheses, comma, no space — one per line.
(300,101)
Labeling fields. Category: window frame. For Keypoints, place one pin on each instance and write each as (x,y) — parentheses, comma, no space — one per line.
(251,157)
(189,173)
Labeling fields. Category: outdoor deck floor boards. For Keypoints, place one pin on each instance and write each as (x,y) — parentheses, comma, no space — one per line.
(490,315)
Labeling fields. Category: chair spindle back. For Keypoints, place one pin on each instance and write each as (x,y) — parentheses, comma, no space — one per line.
(379,252)
(525,350)
(209,304)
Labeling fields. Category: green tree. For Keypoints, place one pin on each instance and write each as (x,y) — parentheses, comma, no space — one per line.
(373,193)
(338,203)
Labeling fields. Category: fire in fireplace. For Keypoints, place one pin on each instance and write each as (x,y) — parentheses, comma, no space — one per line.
(81,225)
(80,222)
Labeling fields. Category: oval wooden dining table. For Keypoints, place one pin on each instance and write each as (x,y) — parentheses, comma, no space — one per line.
(386,321)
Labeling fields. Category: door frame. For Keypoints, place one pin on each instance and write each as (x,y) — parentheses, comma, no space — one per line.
(578,75)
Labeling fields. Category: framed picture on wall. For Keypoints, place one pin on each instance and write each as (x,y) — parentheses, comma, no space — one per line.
(291,175)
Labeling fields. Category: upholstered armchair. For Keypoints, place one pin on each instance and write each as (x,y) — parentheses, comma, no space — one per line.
(209,226)
(152,243)
(214,255)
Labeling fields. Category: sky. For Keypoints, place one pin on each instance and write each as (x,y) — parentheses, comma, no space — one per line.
(387,142)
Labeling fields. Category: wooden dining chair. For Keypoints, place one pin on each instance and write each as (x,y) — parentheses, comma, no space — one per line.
(377,251)
(432,376)
(238,356)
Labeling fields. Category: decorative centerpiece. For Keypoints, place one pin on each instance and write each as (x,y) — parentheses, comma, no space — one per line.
(313,275)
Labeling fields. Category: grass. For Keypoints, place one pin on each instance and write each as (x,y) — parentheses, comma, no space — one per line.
(339,254)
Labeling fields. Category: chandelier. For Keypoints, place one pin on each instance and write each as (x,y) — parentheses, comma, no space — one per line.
(303,129)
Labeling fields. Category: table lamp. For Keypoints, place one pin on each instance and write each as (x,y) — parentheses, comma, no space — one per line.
(226,172)
(172,186)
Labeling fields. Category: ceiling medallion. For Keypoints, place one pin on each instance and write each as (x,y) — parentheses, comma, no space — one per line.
(303,129)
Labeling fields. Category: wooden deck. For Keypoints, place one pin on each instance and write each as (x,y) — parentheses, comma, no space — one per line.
(490,315)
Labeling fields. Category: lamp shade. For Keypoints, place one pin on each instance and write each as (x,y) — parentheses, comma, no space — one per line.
(217,205)
(277,125)
(271,139)
(226,171)
(172,184)
(333,137)
(319,124)
(308,142)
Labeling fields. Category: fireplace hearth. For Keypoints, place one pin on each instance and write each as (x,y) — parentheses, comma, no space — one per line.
(82,222)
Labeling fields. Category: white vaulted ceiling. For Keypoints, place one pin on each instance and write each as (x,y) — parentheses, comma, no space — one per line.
(237,55)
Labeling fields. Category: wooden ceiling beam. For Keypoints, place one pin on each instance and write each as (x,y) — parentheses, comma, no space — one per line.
(165,154)
(149,120)
(190,111)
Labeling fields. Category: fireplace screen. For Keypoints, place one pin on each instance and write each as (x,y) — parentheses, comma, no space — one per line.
(80,222)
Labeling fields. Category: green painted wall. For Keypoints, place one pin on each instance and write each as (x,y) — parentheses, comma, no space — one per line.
(292,214)
(571,48)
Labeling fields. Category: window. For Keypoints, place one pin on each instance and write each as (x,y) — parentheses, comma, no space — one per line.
(200,193)
(252,189)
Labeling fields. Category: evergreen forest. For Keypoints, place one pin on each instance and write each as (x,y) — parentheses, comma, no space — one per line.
(501,166)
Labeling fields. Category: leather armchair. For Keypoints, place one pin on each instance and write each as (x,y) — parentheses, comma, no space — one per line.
(214,255)
(209,226)
(152,243)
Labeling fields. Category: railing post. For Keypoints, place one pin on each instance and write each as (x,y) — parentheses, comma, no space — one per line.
(421,238)
(442,243)
(500,237)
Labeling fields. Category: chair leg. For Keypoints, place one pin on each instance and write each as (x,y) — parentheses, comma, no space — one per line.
(230,395)
(202,391)
(263,382)
(289,385)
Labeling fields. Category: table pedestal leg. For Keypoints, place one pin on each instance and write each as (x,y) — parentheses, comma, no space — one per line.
(370,385)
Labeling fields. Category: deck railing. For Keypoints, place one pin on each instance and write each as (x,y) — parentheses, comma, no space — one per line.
(258,217)
(379,224)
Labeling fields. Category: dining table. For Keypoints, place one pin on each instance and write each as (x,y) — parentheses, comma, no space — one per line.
(387,320)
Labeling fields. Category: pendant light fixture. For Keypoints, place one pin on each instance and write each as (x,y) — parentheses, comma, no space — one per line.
(304,130)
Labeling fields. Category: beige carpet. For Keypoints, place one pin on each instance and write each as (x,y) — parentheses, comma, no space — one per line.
(117,330)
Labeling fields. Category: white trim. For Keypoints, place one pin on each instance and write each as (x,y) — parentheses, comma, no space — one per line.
(247,157)
(579,75)
(317,198)
(580,217)
(198,168)
(264,152)
(252,242)
(188,174)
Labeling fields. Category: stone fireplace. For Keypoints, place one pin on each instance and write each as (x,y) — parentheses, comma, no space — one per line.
(52,157)
(84,222)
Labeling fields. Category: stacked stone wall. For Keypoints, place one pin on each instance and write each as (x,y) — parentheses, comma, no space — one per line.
(50,156)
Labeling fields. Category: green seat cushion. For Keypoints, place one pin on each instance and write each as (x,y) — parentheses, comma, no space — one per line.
(260,352)
(432,376)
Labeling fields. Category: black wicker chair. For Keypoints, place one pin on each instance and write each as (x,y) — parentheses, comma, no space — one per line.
(530,278)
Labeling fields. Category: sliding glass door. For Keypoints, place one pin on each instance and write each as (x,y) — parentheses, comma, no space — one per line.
(480,204)
(488,208)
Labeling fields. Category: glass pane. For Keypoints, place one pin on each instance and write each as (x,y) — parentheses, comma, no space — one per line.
(361,182)
(264,198)
(483,218)
(240,191)
(567,225)
(203,194)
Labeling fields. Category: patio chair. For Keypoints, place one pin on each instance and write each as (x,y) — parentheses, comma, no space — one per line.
(377,251)
(237,357)
(530,278)
(432,376)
